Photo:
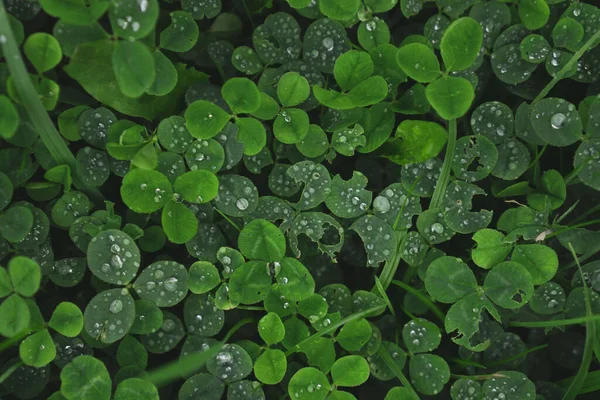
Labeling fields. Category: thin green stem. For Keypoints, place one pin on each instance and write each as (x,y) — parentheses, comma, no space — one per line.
(590,338)
(188,364)
(580,225)
(35,110)
(444,179)
(568,66)
(586,214)
(18,337)
(10,371)
(389,361)
(519,355)
(228,220)
(554,323)
(384,296)
(250,308)
(478,377)
(538,156)
(426,300)
(248,14)
(391,266)
(333,327)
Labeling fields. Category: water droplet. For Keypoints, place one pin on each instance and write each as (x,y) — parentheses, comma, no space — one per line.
(116,306)
(171,284)
(371,25)
(558,120)
(242,204)
(381,204)
(437,228)
(328,43)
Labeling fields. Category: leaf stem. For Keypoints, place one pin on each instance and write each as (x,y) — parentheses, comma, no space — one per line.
(561,74)
(35,110)
(190,363)
(18,337)
(333,327)
(397,371)
(554,323)
(10,371)
(236,226)
(417,293)
(443,180)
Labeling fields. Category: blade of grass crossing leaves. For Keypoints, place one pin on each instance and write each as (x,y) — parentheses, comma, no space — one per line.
(424,298)
(567,67)
(444,179)
(10,370)
(32,104)
(383,294)
(188,364)
(397,371)
(590,385)
(333,327)
(590,337)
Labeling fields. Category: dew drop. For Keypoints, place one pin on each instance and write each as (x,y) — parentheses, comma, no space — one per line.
(116,306)
(558,120)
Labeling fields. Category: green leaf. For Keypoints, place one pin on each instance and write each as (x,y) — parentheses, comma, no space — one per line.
(205,120)
(43,51)
(182,34)
(291,125)
(429,373)
(85,378)
(553,188)
(351,68)
(136,388)
(9,118)
(548,299)
(261,240)
(268,109)
(197,186)
(310,384)
(461,43)
(541,261)
(242,95)
(517,383)
(354,335)
(38,349)
(134,67)
(163,282)
(203,386)
(25,275)
(292,89)
(201,316)
(67,319)
(245,60)
(373,33)
(450,96)
(494,120)
(368,92)
(271,329)
(132,352)
(145,191)
(203,277)
(509,284)
(339,9)
(324,41)
(250,283)
(91,66)
(315,143)
(586,162)
(449,279)
(535,49)
(557,122)
(5,284)
(277,29)
(237,196)
(270,367)
(346,140)
(179,222)
(76,12)
(14,315)
(230,364)
(166,75)
(378,238)
(350,371)
(109,315)
(349,199)
(419,62)
(15,223)
(71,35)
(418,141)
(295,281)
(421,336)
(133,19)
(534,13)
(252,134)
(490,250)
(113,257)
